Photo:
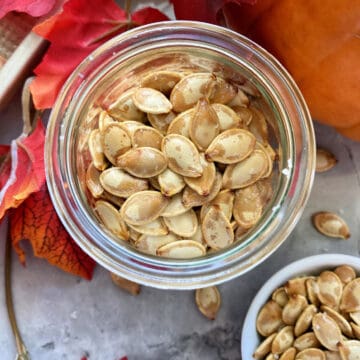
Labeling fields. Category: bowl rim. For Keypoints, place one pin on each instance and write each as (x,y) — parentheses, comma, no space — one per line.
(310,265)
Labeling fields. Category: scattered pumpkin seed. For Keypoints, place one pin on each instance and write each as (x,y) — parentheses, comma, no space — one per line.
(170,182)
(269,319)
(327,331)
(330,224)
(325,160)
(208,301)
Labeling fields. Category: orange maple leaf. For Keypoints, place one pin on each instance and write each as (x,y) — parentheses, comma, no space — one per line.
(22,171)
(36,221)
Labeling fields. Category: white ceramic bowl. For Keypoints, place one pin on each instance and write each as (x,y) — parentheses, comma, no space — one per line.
(311,265)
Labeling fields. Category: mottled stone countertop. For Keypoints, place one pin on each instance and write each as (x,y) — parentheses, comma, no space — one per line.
(63,317)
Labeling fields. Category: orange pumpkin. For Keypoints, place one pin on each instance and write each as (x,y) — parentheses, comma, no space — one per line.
(319,43)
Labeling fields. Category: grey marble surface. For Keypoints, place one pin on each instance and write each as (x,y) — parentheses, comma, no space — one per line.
(64,317)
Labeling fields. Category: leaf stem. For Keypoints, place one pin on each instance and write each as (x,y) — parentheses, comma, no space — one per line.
(22,353)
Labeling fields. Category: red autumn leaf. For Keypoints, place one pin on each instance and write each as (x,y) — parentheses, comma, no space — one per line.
(203,10)
(75,33)
(22,172)
(36,221)
(34,8)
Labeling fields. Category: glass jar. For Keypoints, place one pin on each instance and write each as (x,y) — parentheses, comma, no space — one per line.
(118,65)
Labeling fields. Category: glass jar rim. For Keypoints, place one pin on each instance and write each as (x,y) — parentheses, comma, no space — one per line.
(170,273)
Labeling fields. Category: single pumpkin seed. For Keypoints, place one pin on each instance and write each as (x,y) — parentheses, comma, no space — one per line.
(131,287)
(224,199)
(231,146)
(223,91)
(124,108)
(181,124)
(163,80)
(240,99)
(208,301)
(246,172)
(170,182)
(112,219)
(115,141)
(264,348)
(161,122)
(227,117)
(190,89)
(269,319)
(310,354)
(296,286)
(312,290)
(216,229)
(182,249)
(280,296)
(327,331)
(258,126)
(175,207)
(306,341)
(325,160)
(204,125)
(330,224)
(294,307)
(355,316)
(92,179)
(247,208)
(330,289)
(191,198)
(288,354)
(184,225)
(343,324)
(143,207)
(146,136)
(119,183)
(349,350)
(283,340)
(203,184)
(350,301)
(345,273)
(155,228)
(96,150)
(151,101)
(182,155)
(149,244)
(143,162)
(104,120)
(304,320)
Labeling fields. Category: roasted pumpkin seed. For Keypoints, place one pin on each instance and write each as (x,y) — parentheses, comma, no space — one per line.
(182,155)
(161,122)
(181,124)
(240,99)
(223,91)
(296,286)
(325,160)
(224,200)
(119,183)
(104,120)
(175,207)
(283,340)
(349,350)
(293,308)
(330,224)
(330,289)
(184,225)
(208,301)
(310,354)
(92,179)
(306,341)
(216,229)
(264,348)
(345,273)
(244,114)
(149,244)
(227,117)
(96,150)
(246,172)
(190,89)
(155,228)
(112,219)
(350,300)
(288,354)
(204,125)
(304,320)
(182,249)
(327,331)
(343,324)
(124,108)
(151,101)
(115,141)
(131,287)
(170,182)
(143,207)
(269,319)
(231,146)
(162,80)
(258,126)
(146,136)
(143,162)
(280,296)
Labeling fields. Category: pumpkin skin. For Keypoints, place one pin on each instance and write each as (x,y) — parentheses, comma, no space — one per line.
(319,44)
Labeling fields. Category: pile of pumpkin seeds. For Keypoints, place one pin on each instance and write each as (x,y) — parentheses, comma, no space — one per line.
(312,318)
(181,164)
